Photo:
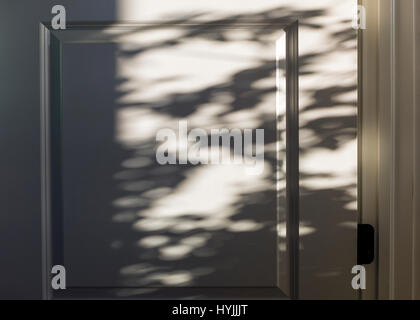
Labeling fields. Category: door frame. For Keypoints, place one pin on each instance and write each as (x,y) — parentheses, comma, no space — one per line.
(389,150)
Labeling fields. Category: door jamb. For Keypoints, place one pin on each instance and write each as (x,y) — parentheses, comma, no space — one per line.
(388,154)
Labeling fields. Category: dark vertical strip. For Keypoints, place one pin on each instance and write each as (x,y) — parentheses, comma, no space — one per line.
(292,154)
(56,152)
(44,38)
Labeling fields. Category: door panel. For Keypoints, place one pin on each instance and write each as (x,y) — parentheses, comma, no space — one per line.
(109,227)
(152,226)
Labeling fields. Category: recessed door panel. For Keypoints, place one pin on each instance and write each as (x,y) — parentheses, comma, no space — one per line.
(213,214)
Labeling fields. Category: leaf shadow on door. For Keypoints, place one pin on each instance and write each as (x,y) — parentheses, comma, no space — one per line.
(133,226)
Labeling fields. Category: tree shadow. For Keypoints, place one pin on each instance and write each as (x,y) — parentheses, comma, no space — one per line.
(129,224)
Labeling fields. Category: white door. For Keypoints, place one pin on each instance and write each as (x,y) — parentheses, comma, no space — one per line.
(260,203)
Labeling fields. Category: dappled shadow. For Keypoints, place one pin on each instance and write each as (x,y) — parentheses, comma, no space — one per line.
(150,226)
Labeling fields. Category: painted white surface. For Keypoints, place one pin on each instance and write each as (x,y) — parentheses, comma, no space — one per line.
(327,98)
(328,244)
(391,152)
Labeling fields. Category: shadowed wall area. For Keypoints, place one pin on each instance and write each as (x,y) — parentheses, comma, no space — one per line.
(20,218)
